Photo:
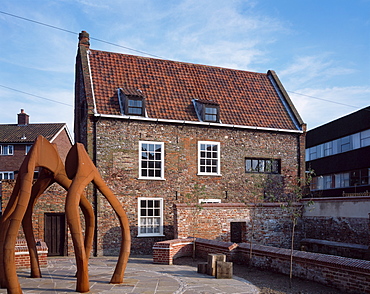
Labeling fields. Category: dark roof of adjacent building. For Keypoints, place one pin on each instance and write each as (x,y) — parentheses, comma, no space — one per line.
(14,133)
(169,87)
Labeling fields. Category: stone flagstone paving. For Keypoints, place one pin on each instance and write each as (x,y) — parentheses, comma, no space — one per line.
(141,276)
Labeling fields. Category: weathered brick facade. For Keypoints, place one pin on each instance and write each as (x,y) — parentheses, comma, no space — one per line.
(117,160)
(254,118)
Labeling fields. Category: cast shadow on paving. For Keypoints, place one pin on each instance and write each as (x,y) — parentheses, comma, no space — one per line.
(141,276)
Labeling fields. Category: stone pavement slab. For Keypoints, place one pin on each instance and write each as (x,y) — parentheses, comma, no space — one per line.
(141,276)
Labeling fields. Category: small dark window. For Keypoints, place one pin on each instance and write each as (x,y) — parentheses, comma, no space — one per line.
(210,113)
(262,165)
(207,110)
(135,106)
(132,102)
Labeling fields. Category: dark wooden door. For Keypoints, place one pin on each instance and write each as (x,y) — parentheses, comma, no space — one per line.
(55,233)
(237,232)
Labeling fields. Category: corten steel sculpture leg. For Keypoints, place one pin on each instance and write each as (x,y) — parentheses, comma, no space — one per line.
(46,178)
(23,194)
(21,205)
(81,169)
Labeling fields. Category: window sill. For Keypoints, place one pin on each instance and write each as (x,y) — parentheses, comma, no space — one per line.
(150,236)
(151,179)
(212,175)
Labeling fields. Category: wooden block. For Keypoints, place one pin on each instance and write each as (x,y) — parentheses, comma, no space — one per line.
(212,259)
(202,267)
(224,270)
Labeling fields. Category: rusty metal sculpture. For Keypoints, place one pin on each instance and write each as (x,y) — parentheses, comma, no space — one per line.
(74,177)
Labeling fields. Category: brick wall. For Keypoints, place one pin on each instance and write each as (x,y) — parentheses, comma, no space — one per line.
(272,225)
(63,144)
(117,160)
(350,275)
(339,226)
(13,162)
(22,257)
(166,251)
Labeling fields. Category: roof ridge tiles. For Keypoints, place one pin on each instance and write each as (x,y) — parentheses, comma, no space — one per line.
(180,62)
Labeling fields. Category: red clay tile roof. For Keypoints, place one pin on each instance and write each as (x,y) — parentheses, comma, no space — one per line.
(245,98)
(12,133)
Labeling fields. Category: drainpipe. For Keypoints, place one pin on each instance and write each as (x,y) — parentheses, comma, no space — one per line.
(95,192)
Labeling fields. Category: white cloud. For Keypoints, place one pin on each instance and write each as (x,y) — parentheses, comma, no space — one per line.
(307,69)
(225,33)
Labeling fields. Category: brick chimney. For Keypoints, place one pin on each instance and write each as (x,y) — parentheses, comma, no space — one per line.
(23,118)
(84,39)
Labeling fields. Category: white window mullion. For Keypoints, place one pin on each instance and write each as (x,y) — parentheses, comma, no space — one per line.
(209,158)
(150,217)
(151,160)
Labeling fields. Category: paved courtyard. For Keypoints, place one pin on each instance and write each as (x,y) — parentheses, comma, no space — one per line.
(141,276)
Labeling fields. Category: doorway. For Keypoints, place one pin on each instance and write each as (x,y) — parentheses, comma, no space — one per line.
(237,232)
(55,233)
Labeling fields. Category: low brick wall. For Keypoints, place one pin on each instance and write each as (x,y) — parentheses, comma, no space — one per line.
(203,247)
(350,275)
(22,257)
(166,251)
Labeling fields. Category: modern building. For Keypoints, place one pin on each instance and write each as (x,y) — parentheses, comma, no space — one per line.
(163,132)
(339,154)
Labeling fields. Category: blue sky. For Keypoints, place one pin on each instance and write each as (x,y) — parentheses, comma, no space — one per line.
(319,49)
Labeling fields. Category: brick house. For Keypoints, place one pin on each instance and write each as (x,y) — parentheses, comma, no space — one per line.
(164,133)
(15,142)
(17,139)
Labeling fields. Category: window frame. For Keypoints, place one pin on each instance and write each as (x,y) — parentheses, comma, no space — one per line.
(140,217)
(2,149)
(141,161)
(128,106)
(205,113)
(9,173)
(218,159)
(27,148)
(127,95)
(262,163)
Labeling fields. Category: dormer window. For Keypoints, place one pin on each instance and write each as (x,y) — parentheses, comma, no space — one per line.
(210,113)
(131,101)
(207,110)
(134,106)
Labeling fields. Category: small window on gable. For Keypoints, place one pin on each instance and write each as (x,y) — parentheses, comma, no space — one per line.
(131,101)
(262,165)
(207,110)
